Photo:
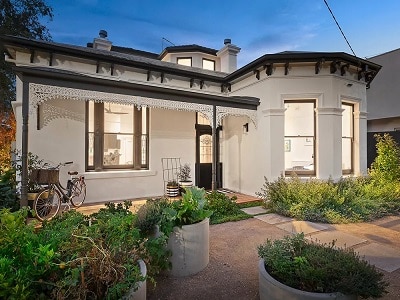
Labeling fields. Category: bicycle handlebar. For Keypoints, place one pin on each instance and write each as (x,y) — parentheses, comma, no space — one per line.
(68,163)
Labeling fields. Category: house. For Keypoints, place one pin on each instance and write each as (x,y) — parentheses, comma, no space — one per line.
(383,100)
(118,112)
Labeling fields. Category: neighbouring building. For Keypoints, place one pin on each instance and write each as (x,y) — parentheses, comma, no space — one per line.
(122,115)
(383,100)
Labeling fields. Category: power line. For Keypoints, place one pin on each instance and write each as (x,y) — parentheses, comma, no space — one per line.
(333,16)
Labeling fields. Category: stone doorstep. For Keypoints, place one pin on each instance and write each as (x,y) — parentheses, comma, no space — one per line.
(273,219)
(256,210)
(303,226)
(342,240)
(382,256)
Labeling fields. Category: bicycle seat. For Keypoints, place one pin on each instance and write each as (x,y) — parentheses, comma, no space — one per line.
(73,173)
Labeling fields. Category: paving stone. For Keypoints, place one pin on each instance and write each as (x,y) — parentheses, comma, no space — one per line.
(342,240)
(256,210)
(302,226)
(273,218)
(382,256)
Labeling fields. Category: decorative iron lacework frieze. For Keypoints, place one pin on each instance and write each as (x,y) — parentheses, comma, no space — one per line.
(222,112)
(51,112)
(40,93)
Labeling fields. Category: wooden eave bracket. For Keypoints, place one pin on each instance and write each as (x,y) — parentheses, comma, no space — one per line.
(269,68)
(148,75)
(257,72)
(225,87)
(334,66)
(286,68)
(344,68)
(32,57)
(318,65)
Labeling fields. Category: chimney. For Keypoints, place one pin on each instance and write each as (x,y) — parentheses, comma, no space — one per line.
(228,56)
(102,43)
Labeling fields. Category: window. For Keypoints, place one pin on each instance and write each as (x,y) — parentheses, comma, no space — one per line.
(208,64)
(186,61)
(117,137)
(202,120)
(299,145)
(347,138)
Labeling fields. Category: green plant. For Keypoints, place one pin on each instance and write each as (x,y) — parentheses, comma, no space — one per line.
(149,215)
(25,259)
(224,208)
(75,256)
(348,200)
(172,183)
(8,191)
(34,163)
(320,268)
(184,173)
(189,210)
(386,166)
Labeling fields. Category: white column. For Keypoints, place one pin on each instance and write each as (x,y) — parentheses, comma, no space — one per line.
(274,124)
(329,143)
(360,143)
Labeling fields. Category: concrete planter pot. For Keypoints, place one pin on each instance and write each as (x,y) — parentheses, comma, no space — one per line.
(272,289)
(140,293)
(189,246)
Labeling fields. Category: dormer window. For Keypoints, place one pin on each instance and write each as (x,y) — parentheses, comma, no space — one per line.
(185,61)
(208,64)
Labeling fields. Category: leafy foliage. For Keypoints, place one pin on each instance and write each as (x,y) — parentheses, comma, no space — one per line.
(21,18)
(184,173)
(224,208)
(8,192)
(75,256)
(34,162)
(150,214)
(348,200)
(189,210)
(386,166)
(320,268)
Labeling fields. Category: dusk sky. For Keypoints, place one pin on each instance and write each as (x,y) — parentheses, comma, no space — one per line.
(257,26)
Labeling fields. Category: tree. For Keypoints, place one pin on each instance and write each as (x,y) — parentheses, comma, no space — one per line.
(19,18)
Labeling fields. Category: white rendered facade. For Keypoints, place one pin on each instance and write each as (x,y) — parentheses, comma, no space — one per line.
(247,153)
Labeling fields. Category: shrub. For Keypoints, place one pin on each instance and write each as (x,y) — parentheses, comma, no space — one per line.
(74,256)
(224,208)
(8,192)
(149,215)
(386,166)
(320,268)
(348,200)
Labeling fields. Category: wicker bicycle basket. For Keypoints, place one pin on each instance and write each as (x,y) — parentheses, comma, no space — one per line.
(44,176)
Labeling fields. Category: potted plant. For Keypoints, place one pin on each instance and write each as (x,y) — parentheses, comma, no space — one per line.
(172,189)
(186,222)
(294,268)
(184,176)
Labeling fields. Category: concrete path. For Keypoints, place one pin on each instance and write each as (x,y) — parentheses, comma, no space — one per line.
(377,242)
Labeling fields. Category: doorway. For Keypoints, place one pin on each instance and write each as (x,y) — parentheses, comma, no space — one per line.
(204,156)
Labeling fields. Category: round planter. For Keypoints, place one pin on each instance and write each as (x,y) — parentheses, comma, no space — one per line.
(140,293)
(272,289)
(186,184)
(172,191)
(189,246)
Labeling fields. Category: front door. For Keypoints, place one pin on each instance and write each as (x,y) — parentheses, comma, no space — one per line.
(204,157)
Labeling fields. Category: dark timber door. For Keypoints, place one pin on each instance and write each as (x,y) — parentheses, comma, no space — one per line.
(204,157)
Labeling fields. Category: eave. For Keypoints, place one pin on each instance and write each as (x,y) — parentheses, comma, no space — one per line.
(72,79)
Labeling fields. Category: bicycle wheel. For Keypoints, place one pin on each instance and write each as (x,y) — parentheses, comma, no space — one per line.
(47,204)
(78,192)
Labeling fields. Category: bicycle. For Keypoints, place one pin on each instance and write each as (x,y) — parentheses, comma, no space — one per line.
(48,202)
